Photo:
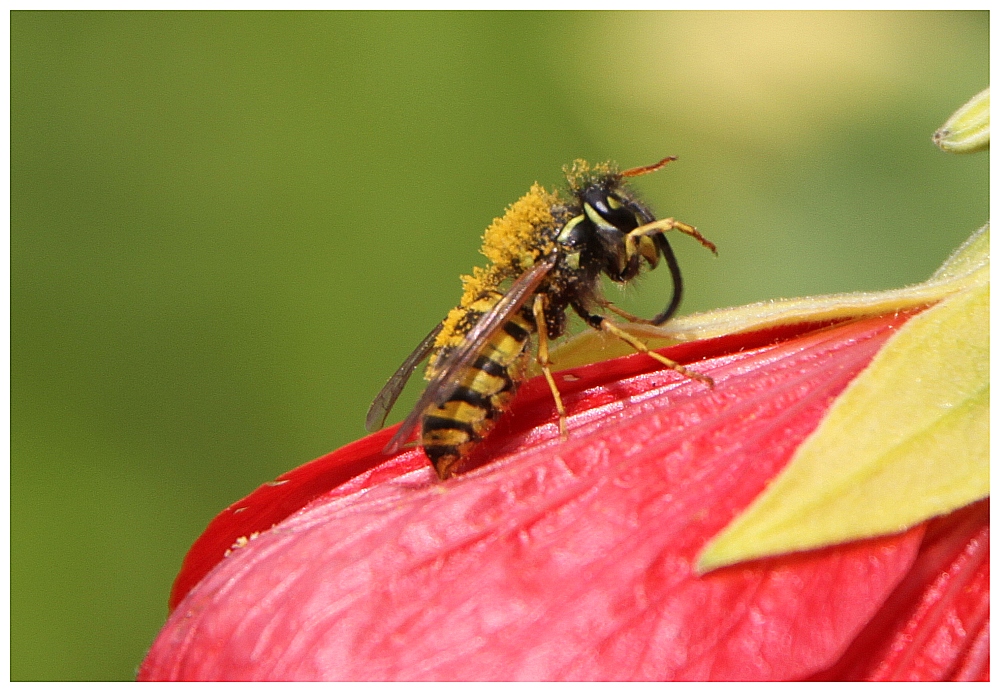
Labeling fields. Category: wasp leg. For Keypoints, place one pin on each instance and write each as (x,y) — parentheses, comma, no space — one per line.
(608,326)
(608,305)
(542,358)
(664,225)
(605,325)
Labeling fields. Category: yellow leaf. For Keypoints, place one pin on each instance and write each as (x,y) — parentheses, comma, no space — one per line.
(907,440)
(968,266)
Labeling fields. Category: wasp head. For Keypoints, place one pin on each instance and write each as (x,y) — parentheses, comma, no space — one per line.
(597,237)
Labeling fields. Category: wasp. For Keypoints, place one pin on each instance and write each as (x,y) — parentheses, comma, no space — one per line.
(546,254)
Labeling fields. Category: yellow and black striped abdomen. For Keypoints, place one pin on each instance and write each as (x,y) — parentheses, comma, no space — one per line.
(484,390)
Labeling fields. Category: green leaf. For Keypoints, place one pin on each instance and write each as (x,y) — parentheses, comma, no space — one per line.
(968,130)
(907,440)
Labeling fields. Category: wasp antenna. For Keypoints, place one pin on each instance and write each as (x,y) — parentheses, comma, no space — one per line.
(643,170)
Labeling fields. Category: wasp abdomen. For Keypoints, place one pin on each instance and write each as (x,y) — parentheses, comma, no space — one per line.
(483,392)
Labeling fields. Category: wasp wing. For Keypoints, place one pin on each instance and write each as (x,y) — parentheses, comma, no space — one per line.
(444,383)
(380,408)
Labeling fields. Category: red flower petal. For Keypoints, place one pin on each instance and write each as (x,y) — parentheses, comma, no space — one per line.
(558,560)
(363,463)
(935,626)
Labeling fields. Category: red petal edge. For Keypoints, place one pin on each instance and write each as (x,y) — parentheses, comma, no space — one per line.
(559,560)
(278,499)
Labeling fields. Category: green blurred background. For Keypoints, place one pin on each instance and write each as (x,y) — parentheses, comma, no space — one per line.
(228,229)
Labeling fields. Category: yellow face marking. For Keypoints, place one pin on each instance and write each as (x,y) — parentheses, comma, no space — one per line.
(568,228)
(613,203)
(596,218)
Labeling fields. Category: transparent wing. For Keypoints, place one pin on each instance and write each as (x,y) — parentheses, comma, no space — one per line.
(444,383)
(380,408)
